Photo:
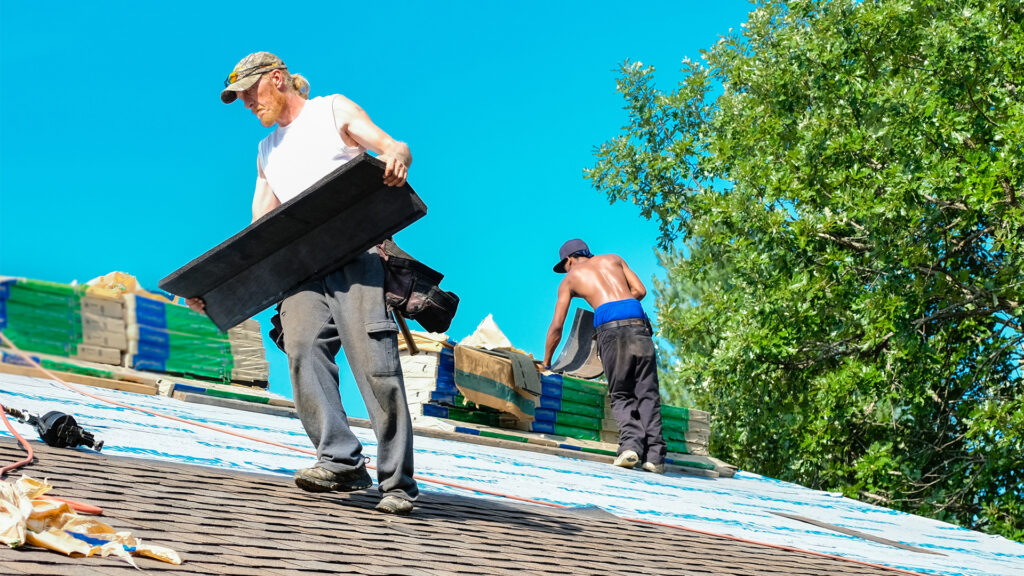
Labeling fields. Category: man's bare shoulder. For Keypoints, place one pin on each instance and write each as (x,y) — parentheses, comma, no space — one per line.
(608,260)
(342,103)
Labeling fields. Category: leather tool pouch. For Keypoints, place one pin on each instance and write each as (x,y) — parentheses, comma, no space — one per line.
(413,289)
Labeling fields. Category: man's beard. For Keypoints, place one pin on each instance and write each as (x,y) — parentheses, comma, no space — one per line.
(271,112)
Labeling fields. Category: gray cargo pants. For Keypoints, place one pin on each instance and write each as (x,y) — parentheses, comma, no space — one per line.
(345,309)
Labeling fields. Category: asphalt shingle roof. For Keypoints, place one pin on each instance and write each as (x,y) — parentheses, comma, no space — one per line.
(226,522)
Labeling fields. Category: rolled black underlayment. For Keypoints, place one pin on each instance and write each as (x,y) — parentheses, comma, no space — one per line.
(579,355)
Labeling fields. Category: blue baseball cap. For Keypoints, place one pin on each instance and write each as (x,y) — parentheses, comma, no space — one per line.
(568,249)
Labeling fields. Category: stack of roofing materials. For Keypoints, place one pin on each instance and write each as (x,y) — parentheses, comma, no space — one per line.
(685,430)
(570,407)
(430,383)
(429,376)
(62,320)
(166,337)
(447,402)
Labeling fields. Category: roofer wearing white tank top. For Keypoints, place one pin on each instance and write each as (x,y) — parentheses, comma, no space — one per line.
(344,309)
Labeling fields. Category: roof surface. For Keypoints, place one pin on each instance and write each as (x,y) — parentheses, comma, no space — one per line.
(452,524)
(224,522)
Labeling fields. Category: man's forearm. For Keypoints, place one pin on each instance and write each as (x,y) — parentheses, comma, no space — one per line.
(551,345)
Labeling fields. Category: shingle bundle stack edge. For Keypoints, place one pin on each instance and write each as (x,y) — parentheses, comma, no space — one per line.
(62,320)
(165,337)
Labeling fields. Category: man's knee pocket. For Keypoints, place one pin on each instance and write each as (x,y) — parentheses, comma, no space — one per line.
(383,348)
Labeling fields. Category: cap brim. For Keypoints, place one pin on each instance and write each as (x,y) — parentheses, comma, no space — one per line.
(560,267)
(230,94)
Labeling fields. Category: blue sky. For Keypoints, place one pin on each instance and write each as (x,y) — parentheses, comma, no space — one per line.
(117,154)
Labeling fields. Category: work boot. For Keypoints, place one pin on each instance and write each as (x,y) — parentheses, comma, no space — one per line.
(656,468)
(320,479)
(391,504)
(627,459)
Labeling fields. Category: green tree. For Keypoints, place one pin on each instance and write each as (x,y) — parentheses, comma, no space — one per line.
(837,185)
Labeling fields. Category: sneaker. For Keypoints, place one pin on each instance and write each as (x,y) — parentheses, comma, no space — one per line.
(656,468)
(391,504)
(627,459)
(319,479)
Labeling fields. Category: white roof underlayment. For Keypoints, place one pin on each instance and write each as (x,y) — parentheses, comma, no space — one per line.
(742,506)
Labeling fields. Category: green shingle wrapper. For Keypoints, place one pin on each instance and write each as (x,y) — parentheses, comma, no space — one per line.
(237,396)
(580,433)
(488,434)
(674,413)
(677,447)
(193,347)
(577,421)
(577,397)
(55,288)
(42,299)
(485,418)
(578,385)
(583,409)
(29,316)
(182,319)
(75,369)
(188,326)
(217,363)
(600,451)
(672,424)
(33,344)
(43,333)
(44,324)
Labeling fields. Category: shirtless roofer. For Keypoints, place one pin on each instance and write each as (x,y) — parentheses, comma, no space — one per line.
(624,342)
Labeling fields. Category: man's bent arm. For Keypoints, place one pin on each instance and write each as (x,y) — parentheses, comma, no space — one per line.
(555,330)
(636,287)
(353,121)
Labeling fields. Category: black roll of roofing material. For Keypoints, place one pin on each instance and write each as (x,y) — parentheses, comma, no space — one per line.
(579,355)
(318,231)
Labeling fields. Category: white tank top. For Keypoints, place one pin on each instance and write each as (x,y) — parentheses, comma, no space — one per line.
(296,156)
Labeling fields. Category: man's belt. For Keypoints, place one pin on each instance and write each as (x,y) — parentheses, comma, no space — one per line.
(619,323)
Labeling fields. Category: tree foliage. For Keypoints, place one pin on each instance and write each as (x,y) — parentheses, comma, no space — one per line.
(838,188)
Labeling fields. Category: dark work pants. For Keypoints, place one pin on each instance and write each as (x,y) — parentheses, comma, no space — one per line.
(345,309)
(630,365)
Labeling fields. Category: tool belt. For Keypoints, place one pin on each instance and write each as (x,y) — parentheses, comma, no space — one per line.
(412,288)
(626,322)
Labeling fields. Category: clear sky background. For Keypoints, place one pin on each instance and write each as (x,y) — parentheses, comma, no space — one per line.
(117,154)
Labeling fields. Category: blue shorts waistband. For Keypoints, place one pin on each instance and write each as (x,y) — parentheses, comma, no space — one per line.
(618,310)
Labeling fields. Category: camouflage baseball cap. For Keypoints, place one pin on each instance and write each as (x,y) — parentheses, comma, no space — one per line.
(247,72)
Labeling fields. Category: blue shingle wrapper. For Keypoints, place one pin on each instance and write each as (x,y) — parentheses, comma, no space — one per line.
(543,427)
(550,402)
(435,411)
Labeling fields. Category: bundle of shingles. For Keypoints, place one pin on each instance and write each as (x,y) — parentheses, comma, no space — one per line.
(171,338)
(62,320)
(144,332)
(570,407)
(685,430)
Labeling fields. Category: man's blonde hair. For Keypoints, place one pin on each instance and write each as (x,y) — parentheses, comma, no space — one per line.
(296,83)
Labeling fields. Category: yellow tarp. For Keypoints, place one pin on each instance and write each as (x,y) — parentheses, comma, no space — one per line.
(25,518)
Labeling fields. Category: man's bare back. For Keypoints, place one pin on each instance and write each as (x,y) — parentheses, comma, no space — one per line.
(602,279)
(598,280)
